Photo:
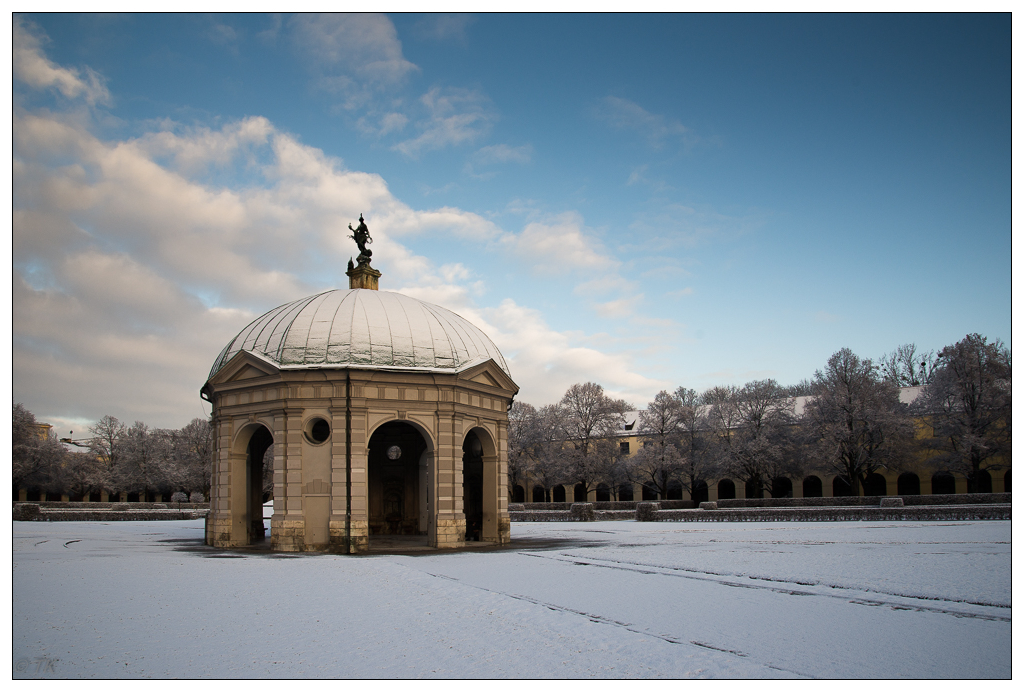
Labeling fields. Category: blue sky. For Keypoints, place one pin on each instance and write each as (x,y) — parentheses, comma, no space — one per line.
(644,201)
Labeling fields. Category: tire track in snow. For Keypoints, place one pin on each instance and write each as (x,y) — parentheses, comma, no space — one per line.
(705,575)
(602,620)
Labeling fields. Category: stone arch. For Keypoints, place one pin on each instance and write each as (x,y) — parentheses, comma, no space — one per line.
(518,493)
(782,487)
(538,494)
(841,487)
(558,494)
(908,484)
(579,493)
(700,493)
(479,485)
(248,448)
(943,483)
(726,489)
(399,459)
(982,482)
(812,487)
(875,485)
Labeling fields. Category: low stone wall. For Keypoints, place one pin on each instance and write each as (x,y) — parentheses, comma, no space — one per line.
(117,511)
(865,501)
(895,513)
(166,504)
(903,508)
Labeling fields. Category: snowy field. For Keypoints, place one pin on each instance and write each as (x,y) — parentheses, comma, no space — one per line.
(602,600)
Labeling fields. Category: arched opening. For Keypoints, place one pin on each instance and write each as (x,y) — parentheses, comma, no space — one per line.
(473,486)
(943,484)
(812,487)
(726,489)
(558,494)
(604,493)
(579,493)
(675,490)
(397,461)
(518,494)
(874,485)
(1006,482)
(96,496)
(908,484)
(782,487)
(752,489)
(841,487)
(700,493)
(982,482)
(625,492)
(255,451)
(538,494)
(648,494)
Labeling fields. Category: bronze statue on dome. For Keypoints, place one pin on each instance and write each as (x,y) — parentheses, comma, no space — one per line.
(361,234)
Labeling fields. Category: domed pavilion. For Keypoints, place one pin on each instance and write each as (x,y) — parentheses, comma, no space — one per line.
(387,416)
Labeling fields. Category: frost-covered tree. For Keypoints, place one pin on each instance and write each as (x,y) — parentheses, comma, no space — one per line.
(589,416)
(762,445)
(969,404)
(657,462)
(698,463)
(855,421)
(907,367)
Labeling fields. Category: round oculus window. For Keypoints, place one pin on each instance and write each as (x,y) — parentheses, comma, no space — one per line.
(394,452)
(318,430)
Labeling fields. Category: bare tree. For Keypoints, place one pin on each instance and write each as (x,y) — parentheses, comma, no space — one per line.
(189,464)
(657,462)
(588,415)
(855,420)
(969,401)
(698,463)
(906,367)
(762,444)
(36,458)
(522,425)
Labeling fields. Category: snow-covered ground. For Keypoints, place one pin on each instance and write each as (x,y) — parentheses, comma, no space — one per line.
(603,599)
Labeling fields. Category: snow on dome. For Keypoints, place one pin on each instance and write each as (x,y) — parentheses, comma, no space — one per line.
(365,329)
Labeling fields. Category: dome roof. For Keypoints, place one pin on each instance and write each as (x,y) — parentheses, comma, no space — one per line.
(365,329)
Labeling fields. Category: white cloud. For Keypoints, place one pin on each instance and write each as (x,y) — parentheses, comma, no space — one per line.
(562,243)
(454,117)
(503,153)
(33,68)
(624,114)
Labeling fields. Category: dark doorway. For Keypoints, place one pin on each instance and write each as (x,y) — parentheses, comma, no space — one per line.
(943,484)
(812,487)
(982,482)
(726,490)
(874,485)
(259,443)
(649,493)
(394,454)
(538,494)
(908,484)
(782,487)
(625,493)
(473,486)
(1006,483)
(752,489)
(579,493)
(675,490)
(558,494)
(603,493)
(841,487)
(518,494)
(700,493)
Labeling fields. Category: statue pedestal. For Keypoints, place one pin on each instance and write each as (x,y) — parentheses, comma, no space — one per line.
(363,276)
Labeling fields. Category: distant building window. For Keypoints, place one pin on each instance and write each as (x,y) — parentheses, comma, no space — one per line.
(624,447)
(629,426)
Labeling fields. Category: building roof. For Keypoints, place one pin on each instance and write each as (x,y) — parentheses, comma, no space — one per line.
(365,329)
